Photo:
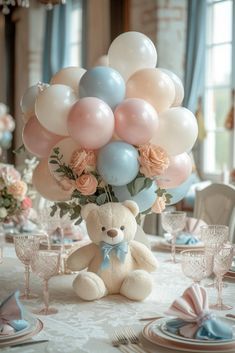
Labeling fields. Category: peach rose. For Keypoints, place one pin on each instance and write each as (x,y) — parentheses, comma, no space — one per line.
(67,184)
(17,190)
(83,160)
(159,205)
(153,160)
(87,184)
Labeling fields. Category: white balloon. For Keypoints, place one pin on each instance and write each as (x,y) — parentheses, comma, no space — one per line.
(130,52)
(3,109)
(179,88)
(28,100)
(52,108)
(66,146)
(177,131)
(69,76)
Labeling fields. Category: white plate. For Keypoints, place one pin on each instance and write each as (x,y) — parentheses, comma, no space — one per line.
(32,321)
(225,320)
(155,328)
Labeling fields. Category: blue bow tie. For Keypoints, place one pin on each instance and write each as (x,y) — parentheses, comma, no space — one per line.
(120,249)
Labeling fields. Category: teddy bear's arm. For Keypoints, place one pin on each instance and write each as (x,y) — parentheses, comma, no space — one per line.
(81,257)
(143,256)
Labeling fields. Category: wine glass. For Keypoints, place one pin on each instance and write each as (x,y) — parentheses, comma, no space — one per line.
(26,247)
(213,237)
(223,259)
(196,264)
(46,264)
(173,222)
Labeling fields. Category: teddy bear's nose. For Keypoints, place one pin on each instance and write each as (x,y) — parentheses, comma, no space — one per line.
(112,233)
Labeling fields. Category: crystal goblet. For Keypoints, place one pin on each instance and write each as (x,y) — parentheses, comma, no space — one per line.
(196,264)
(173,222)
(223,259)
(26,247)
(213,237)
(46,264)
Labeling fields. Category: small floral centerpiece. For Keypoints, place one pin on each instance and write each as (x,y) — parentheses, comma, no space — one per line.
(13,194)
(87,185)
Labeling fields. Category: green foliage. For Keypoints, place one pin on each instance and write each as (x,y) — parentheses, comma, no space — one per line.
(138,184)
(63,169)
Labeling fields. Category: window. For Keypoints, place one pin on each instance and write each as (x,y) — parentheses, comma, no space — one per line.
(218,149)
(75,45)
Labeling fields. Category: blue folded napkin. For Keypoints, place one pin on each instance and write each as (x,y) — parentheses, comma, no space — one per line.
(211,329)
(193,318)
(185,239)
(11,313)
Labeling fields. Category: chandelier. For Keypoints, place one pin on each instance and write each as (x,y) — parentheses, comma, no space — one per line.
(7,4)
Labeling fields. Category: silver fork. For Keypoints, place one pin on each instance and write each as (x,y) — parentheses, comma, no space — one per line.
(119,343)
(134,339)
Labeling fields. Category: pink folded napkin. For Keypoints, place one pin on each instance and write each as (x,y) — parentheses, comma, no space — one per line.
(194,320)
(193,225)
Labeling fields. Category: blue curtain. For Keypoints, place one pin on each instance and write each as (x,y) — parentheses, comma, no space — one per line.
(56,39)
(195,53)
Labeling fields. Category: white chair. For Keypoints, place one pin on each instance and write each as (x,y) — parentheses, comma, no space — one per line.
(215,204)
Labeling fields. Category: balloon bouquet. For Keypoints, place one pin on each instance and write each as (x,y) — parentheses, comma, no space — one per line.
(111,133)
(7,126)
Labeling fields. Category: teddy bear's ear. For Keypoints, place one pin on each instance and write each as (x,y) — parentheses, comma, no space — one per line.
(132,206)
(87,209)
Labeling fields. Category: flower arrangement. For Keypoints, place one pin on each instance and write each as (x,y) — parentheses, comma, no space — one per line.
(7,126)
(86,185)
(111,133)
(13,193)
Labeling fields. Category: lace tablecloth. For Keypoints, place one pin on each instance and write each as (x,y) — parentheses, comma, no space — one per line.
(88,326)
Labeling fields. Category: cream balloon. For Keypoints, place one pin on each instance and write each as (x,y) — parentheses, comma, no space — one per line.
(66,147)
(47,185)
(177,131)
(179,88)
(102,61)
(152,85)
(69,76)
(52,108)
(3,109)
(130,52)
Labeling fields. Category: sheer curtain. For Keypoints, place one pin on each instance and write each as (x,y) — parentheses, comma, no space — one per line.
(195,53)
(56,40)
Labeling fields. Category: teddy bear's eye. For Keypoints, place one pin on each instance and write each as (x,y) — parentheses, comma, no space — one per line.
(103,229)
(122,227)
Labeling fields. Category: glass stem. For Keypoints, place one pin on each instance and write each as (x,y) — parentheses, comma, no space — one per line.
(26,281)
(173,241)
(46,294)
(219,288)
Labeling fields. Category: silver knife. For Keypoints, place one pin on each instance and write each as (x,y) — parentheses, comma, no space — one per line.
(27,343)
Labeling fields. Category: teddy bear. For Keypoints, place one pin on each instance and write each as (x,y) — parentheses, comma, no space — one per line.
(115,262)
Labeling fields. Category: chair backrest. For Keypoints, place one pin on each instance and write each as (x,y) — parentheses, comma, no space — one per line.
(215,204)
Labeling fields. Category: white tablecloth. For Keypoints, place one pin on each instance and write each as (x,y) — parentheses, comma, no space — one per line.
(88,326)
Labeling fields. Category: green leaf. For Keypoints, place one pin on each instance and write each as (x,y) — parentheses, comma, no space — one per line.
(20,149)
(78,221)
(130,188)
(53,161)
(146,211)
(139,185)
(56,150)
(148,183)
(53,210)
(100,200)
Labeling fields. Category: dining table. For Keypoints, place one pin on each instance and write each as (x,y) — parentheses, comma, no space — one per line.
(89,326)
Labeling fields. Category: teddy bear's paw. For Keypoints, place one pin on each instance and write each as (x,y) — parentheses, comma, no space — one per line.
(137,285)
(88,286)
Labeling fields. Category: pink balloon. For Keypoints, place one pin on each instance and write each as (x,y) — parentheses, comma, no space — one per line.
(47,185)
(135,121)
(178,171)
(37,139)
(91,122)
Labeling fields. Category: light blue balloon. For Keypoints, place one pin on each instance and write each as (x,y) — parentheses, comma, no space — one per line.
(5,141)
(180,191)
(144,199)
(118,163)
(104,83)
